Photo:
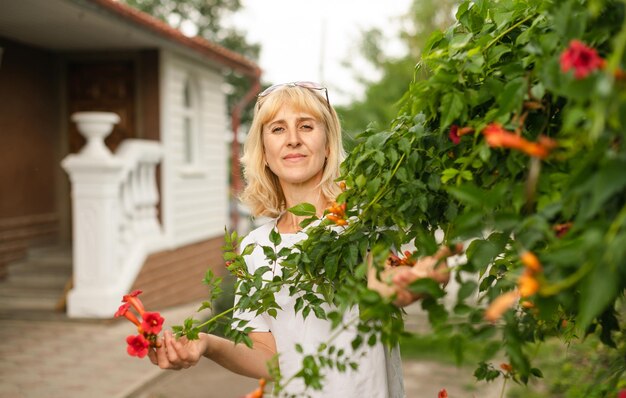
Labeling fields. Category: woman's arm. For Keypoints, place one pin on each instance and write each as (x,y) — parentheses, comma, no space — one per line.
(183,353)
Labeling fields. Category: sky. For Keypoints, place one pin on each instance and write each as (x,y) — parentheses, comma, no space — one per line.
(312,39)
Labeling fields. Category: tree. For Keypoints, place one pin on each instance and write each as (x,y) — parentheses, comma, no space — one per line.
(206,17)
(381,98)
(513,142)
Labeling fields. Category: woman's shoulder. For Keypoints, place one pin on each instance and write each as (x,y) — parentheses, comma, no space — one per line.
(261,233)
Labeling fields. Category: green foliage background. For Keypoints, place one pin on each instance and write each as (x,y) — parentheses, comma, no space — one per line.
(483,69)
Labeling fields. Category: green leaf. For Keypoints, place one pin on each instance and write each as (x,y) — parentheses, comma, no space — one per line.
(426,286)
(452,107)
(303,209)
(469,194)
(307,221)
(319,312)
(481,253)
(269,253)
(536,372)
(459,41)
(598,290)
(466,289)
(331,264)
(248,249)
(379,158)
(496,52)
(448,174)
(510,99)
(607,181)
(275,237)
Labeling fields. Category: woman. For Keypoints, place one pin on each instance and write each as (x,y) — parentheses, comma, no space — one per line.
(291,156)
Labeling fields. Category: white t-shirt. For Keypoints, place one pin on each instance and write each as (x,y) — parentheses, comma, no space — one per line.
(379,371)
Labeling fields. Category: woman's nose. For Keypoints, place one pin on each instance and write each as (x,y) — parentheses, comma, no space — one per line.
(293,138)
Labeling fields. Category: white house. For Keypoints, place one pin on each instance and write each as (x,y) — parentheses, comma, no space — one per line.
(114,130)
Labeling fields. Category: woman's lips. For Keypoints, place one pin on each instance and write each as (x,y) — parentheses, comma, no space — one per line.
(294,156)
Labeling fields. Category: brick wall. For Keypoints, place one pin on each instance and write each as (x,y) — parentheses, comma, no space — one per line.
(174,277)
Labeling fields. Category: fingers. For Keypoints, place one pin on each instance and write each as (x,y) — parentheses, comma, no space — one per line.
(166,355)
(403,298)
(171,352)
(395,281)
(181,353)
(401,281)
(152,355)
(404,278)
(434,267)
(162,357)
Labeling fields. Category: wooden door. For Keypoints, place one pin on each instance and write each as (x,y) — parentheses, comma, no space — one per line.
(102,86)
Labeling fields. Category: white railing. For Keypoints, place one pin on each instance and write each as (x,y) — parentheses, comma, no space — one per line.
(114,212)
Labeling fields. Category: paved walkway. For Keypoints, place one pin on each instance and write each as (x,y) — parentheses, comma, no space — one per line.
(62,358)
(65,358)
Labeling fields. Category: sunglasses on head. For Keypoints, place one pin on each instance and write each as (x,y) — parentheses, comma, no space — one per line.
(307,85)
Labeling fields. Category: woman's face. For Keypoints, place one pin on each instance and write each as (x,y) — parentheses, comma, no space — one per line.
(295,146)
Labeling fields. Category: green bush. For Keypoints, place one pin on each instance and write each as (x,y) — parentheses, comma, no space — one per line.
(515,143)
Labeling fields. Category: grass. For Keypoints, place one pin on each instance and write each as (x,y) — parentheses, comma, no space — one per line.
(586,368)
(583,369)
(442,348)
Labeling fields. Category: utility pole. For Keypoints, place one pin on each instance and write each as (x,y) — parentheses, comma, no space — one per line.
(322,58)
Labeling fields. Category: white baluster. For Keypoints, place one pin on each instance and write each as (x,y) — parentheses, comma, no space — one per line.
(95,126)
(96,176)
(115,216)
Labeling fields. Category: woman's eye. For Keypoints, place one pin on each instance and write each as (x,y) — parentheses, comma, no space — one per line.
(306,127)
(277,130)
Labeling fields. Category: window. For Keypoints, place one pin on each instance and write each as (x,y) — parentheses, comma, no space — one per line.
(190,122)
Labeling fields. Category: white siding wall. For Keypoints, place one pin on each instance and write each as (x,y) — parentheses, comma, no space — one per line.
(195,196)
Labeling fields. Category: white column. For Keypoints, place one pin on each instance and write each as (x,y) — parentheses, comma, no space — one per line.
(96,177)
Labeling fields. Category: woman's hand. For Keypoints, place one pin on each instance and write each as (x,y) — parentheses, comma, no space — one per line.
(183,353)
(178,353)
(434,267)
(395,281)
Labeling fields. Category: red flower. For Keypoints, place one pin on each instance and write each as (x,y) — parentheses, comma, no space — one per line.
(124,311)
(137,346)
(581,58)
(443,394)
(258,393)
(621,394)
(457,132)
(506,367)
(527,284)
(500,305)
(133,300)
(497,137)
(395,261)
(493,128)
(152,322)
(454,134)
(337,214)
(561,229)
(531,262)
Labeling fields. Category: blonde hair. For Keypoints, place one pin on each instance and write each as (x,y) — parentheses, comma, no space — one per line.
(263,194)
